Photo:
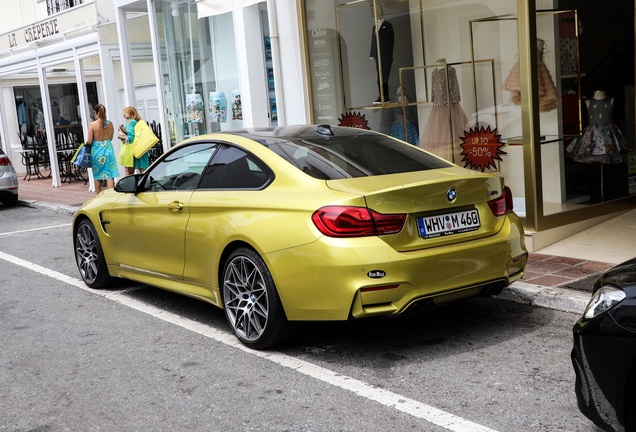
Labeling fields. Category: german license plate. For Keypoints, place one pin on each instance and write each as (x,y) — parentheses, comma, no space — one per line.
(447,224)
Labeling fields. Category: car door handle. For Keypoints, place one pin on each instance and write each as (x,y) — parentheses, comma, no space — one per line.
(175,206)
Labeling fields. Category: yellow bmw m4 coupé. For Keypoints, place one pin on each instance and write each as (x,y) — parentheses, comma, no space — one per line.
(302,223)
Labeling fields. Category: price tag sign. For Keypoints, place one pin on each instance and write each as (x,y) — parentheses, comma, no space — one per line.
(481,148)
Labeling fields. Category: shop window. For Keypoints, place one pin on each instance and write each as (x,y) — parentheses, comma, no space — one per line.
(64,110)
(199,69)
(454,69)
(599,159)
(356,51)
(407,69)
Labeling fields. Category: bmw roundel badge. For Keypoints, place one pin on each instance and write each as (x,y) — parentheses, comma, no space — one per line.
(451,194)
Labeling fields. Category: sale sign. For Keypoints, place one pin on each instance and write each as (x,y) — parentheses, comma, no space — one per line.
(354,120)
(481,148)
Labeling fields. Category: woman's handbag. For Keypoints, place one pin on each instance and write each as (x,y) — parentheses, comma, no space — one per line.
(82,156)
(125,157)
(144,139)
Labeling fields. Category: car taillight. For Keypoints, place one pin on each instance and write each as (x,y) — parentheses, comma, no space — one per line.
(4,160)
(340,221)
(502,205)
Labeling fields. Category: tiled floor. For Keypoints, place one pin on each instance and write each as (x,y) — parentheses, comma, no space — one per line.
(558,265)
(565,272)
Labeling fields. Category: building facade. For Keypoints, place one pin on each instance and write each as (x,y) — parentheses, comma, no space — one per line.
(539,92)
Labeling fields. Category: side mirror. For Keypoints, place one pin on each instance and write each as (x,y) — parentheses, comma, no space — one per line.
(128,184)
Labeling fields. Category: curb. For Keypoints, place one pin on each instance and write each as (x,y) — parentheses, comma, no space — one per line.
(57,208)
(562,299)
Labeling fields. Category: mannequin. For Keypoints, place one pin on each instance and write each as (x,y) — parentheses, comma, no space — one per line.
(548,96)
(383,55)
(602,141)
(402,122)
(599,95)
(23,117)
(446,123)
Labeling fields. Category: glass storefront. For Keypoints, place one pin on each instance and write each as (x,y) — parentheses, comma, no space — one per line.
(596,166)
(386,65)
(65,110)
(199,68)
(451,77)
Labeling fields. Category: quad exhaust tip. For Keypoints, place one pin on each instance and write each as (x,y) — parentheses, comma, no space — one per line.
(423,306)
(420,307)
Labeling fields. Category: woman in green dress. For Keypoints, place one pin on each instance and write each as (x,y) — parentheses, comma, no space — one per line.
(132,118)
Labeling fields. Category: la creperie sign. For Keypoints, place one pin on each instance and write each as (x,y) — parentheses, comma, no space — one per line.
(36,32)
(73,19)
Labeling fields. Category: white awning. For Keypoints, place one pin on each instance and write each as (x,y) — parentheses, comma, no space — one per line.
(208,8)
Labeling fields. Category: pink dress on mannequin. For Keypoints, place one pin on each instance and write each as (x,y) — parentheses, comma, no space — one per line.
(445,126)
(548,96)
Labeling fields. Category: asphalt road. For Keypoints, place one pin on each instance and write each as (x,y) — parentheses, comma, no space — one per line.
(136,358)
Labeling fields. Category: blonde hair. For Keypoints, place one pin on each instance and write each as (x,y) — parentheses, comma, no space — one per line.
(132,113)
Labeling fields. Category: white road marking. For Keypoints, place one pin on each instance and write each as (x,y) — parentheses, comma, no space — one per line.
(385,397)
(35,229)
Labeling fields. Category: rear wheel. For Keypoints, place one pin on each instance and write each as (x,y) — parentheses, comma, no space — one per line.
(252,306)
(89,256)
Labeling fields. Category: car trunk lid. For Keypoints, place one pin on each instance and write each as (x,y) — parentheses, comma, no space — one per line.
(442,206)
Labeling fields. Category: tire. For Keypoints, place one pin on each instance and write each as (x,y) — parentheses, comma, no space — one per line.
(251,303)
(89,256)
(10,200)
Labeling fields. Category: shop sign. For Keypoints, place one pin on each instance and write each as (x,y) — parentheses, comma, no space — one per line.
(481,148)
(73,19)
(322,67)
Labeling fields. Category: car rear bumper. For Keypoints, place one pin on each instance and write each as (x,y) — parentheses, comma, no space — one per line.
(365,277)
(9,184)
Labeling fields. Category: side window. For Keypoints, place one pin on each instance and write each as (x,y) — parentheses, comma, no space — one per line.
(232,168)
(182,169)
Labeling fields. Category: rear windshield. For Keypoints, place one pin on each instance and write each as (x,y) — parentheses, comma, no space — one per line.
(353,156)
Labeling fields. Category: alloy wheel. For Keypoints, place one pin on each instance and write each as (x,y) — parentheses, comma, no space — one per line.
(246,299)
(89,256)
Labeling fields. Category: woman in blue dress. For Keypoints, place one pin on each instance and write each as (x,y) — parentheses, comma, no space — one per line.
(132,118)
(103,161)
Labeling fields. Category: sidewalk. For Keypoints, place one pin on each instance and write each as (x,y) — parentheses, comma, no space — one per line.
(38,192)
(552,281)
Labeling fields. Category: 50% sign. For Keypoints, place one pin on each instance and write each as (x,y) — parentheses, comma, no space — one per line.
(481,148)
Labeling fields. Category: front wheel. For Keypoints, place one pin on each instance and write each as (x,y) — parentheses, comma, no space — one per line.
(252,306)
(89,256)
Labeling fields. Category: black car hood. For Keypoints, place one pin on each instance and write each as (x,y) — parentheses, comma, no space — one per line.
(622,276)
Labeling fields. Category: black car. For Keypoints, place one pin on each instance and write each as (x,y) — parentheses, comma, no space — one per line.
(604,353)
